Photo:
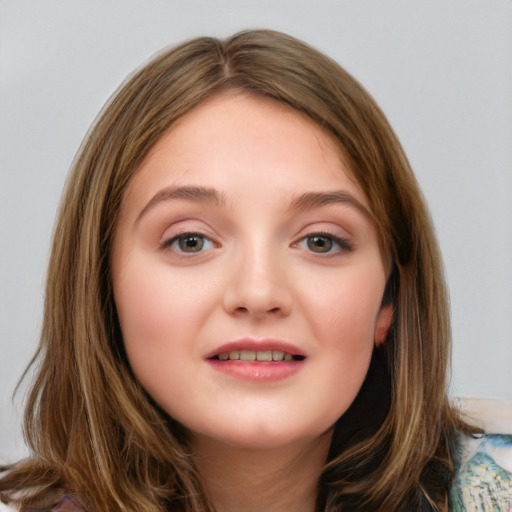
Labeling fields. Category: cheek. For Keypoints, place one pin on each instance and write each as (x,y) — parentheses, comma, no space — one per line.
(153,316)
(143,308)
(344,310)
(156,331)
(153,302)
(343,314)
(161,314)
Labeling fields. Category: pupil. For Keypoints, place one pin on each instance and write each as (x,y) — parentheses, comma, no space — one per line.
(191,244)
(319,244)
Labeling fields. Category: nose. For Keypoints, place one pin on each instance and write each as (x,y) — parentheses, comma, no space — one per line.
(258,286)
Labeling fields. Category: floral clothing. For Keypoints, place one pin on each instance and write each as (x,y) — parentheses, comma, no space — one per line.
(484,479)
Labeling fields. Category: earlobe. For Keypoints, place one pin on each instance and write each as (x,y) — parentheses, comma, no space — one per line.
(383,324)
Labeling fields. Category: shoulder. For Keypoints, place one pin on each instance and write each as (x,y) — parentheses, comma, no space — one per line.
(484,477)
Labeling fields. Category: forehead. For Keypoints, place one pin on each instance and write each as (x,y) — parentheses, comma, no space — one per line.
(236,137)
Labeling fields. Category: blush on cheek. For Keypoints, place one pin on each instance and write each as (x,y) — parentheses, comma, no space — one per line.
(143,303)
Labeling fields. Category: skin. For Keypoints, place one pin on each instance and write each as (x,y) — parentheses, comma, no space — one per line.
(257,272)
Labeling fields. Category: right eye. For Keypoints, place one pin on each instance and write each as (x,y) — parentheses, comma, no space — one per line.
(189,243)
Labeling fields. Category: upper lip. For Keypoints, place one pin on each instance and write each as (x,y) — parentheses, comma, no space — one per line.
(257,344)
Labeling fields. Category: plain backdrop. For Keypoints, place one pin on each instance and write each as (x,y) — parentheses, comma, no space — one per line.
(440,69)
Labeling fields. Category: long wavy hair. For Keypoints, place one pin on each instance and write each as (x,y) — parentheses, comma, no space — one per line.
(91,428)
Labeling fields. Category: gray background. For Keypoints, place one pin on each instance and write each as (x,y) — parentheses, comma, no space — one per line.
(441,70)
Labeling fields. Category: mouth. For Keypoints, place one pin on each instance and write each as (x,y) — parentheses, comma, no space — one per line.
(260,356)
(257,360)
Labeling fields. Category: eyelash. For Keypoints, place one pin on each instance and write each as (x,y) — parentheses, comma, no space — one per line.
(168,244)
(343,245)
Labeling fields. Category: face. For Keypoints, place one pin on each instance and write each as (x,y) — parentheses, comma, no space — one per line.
(247,275)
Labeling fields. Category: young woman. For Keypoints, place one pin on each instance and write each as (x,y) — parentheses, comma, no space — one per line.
(245,307)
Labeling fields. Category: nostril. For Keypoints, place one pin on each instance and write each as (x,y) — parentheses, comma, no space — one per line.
(245,310)
(245,300)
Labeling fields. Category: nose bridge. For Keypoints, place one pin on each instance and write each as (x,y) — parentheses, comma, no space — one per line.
(258,284)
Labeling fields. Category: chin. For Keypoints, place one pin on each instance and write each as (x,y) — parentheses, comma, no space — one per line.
(258,437)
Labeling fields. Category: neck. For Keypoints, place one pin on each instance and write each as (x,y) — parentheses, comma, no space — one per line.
(274,480)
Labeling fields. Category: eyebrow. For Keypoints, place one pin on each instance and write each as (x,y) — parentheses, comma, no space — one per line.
(187,193)
(300,203)
(311,200)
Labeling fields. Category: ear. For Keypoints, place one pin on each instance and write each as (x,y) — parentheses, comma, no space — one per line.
(383,324)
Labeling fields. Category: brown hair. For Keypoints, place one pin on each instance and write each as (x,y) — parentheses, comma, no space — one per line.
(94,432)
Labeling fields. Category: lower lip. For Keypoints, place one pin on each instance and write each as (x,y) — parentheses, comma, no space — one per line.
(257,372)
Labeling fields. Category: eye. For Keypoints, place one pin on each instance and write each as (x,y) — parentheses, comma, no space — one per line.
(189,243)
(324,243)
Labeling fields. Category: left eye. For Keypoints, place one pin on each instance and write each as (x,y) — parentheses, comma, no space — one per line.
(189,243)
(323,243)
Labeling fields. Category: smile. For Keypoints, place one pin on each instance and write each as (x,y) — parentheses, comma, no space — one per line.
(257,360)
(264,356)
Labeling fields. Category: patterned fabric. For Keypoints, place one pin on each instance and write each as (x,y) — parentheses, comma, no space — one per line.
(484,480)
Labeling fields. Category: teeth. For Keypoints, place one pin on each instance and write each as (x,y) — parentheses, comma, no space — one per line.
(264,356)
(247,355)
(253,355)
(277,355)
